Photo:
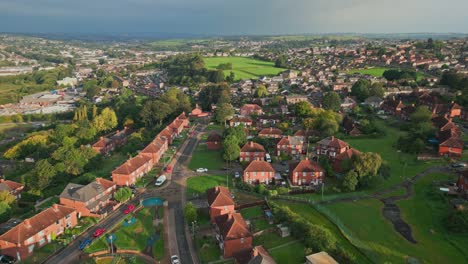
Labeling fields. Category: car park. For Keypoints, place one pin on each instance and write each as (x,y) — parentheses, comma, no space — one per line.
(160,180)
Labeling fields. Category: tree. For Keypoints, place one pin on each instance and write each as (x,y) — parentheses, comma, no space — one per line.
(43,174)
(223,112)
(6,197)
(101,61)
(238,133)
(377,89)
(303,109)
(350,181)
(155,111)
(190,213)
(109,117)
(281,61)
(217,76)
(261,91)
(123,194)
(331,101)
(367,165)
(360,89)
(231,149)
(308,123)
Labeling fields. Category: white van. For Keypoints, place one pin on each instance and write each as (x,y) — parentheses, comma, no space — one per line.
(268,157)
(160,180)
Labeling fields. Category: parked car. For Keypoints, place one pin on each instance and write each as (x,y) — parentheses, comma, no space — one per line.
(99,232)
(237,174)
(202,170)
(283,163)
(175,259)
(160,180)
(168,169)
(7,259)
(85,243)
(459,165)
(129,209)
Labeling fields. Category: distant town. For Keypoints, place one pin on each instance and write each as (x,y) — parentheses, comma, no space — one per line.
(252,149)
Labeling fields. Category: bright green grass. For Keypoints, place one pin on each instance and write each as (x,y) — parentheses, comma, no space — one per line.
(261,224)
(204,158)
(271,239)
(291,254)
(315,217)
(243,67)
(251,212)
(402,165)
(199,184)
(425,212)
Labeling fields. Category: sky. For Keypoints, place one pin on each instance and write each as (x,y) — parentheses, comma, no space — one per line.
(234,17)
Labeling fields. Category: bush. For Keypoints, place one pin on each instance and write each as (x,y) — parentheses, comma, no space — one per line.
(457,221)
(282,190)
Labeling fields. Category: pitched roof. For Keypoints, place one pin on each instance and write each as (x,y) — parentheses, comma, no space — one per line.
(102,142)
(132,165)
(294,140)
(84,193)
(321,258)
(251,107)
(259,166)
(214,137)
(232,226)
(7,185)
(151,148)
(30,227)
(333,142)
(261,256)
(305,166)
(270,131)
(241,119)
(347,154)
(219,196)
(252,147)
(450,138)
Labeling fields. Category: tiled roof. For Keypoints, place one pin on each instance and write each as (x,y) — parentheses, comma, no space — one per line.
(252,147)
(232,226)
(213,136)
(7,185)
(251,107)
(450,138)
(333,142)
(102,142)
(37,223)
(151,148)
(132,165)
(270,131)
(290,141)
(219,196)
(259,166)
(305,166)
(347,154)
(241,120)
(84,193)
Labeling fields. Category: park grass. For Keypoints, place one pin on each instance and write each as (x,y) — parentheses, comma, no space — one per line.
(425,213)
(252,212)
(402,165)
(378,72)
(315,217)
(204,158)
(243,67)
(292,253)
(397,192)
(380,242)
(207,249)
(198,185)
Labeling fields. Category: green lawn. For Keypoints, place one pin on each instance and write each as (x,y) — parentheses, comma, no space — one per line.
(198,185)
(207,249)
(243,67)
(378,72)
(291,254)
(158,249)
(252,212)
(261,224)
(397,192)
(381,243)
(271,239)
(315,217)
(402,165)
(109,164)
(204,158)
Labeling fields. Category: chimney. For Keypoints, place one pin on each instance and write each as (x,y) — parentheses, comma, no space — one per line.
(55,207)
(2,180)
(254,252)
(27,223)
(332,138)
(251,143)
(101,138)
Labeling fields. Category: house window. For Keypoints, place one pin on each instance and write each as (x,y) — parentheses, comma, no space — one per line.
(242,240)
(67,216)
(30,240)
(30,248)
(42,242)
(40,234)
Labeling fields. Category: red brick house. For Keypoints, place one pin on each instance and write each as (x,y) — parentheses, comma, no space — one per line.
(256,255)
(167,134)
(392,106)
(250,109)
(233,234)
(340,159)
(133,169)
(11,187)
(197,112)
(450,143)
(252,151)
(270,133)
(214,141)
(237,121)
(290,145)
(37,231)
(306,172)
(454,109)
(331,147)
(94,199)
(155,150)
(220,202)
(107,144)
(259,172)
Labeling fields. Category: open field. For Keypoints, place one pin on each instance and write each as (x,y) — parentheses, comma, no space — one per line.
(198,185)
(243,67)
(204,158)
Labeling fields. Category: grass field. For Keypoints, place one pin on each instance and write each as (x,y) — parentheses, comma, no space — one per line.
(204,158)
(315,217)
(198,185)
(378,72)
(243,67)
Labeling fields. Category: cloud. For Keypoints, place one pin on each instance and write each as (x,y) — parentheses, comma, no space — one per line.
(234,17)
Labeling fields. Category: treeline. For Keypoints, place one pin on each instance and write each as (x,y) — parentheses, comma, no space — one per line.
(395,75)
(41,57)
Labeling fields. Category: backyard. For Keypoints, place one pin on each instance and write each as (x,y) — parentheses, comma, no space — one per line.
(198,185)
(244,67)
(204,158)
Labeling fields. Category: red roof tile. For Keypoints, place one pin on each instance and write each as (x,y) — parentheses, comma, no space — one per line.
(219,196)
(232,226)
(252,147)
(259,166)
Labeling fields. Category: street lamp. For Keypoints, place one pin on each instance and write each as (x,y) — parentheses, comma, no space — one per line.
(112,245)
(193,228)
